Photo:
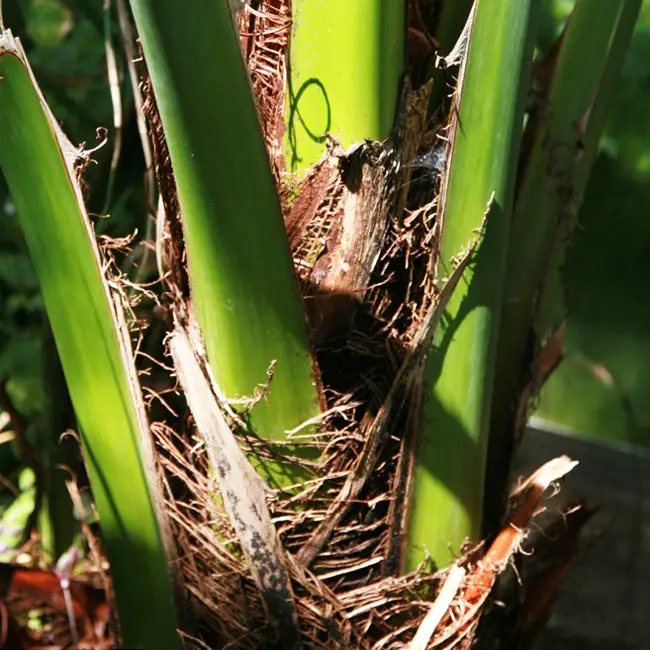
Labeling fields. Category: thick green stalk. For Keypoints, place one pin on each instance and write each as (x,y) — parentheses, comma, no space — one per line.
(446,500)
(37,162)
(563,136)
(244,292)
(346,59)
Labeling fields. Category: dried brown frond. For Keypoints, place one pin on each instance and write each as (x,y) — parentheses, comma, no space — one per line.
(170,240)
(264,27)
(453,618)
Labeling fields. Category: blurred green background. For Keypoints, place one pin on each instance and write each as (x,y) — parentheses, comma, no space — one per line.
(602,388)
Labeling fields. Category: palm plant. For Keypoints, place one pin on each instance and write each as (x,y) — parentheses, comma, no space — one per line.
(346,283)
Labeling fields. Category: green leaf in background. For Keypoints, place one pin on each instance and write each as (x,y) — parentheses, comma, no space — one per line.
(601,387)
(14,518)
(17,271)
(48,22)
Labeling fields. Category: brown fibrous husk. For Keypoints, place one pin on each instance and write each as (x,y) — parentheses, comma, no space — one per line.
(362,230)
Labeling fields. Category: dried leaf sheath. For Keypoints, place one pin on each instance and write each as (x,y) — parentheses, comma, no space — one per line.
(242,491)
